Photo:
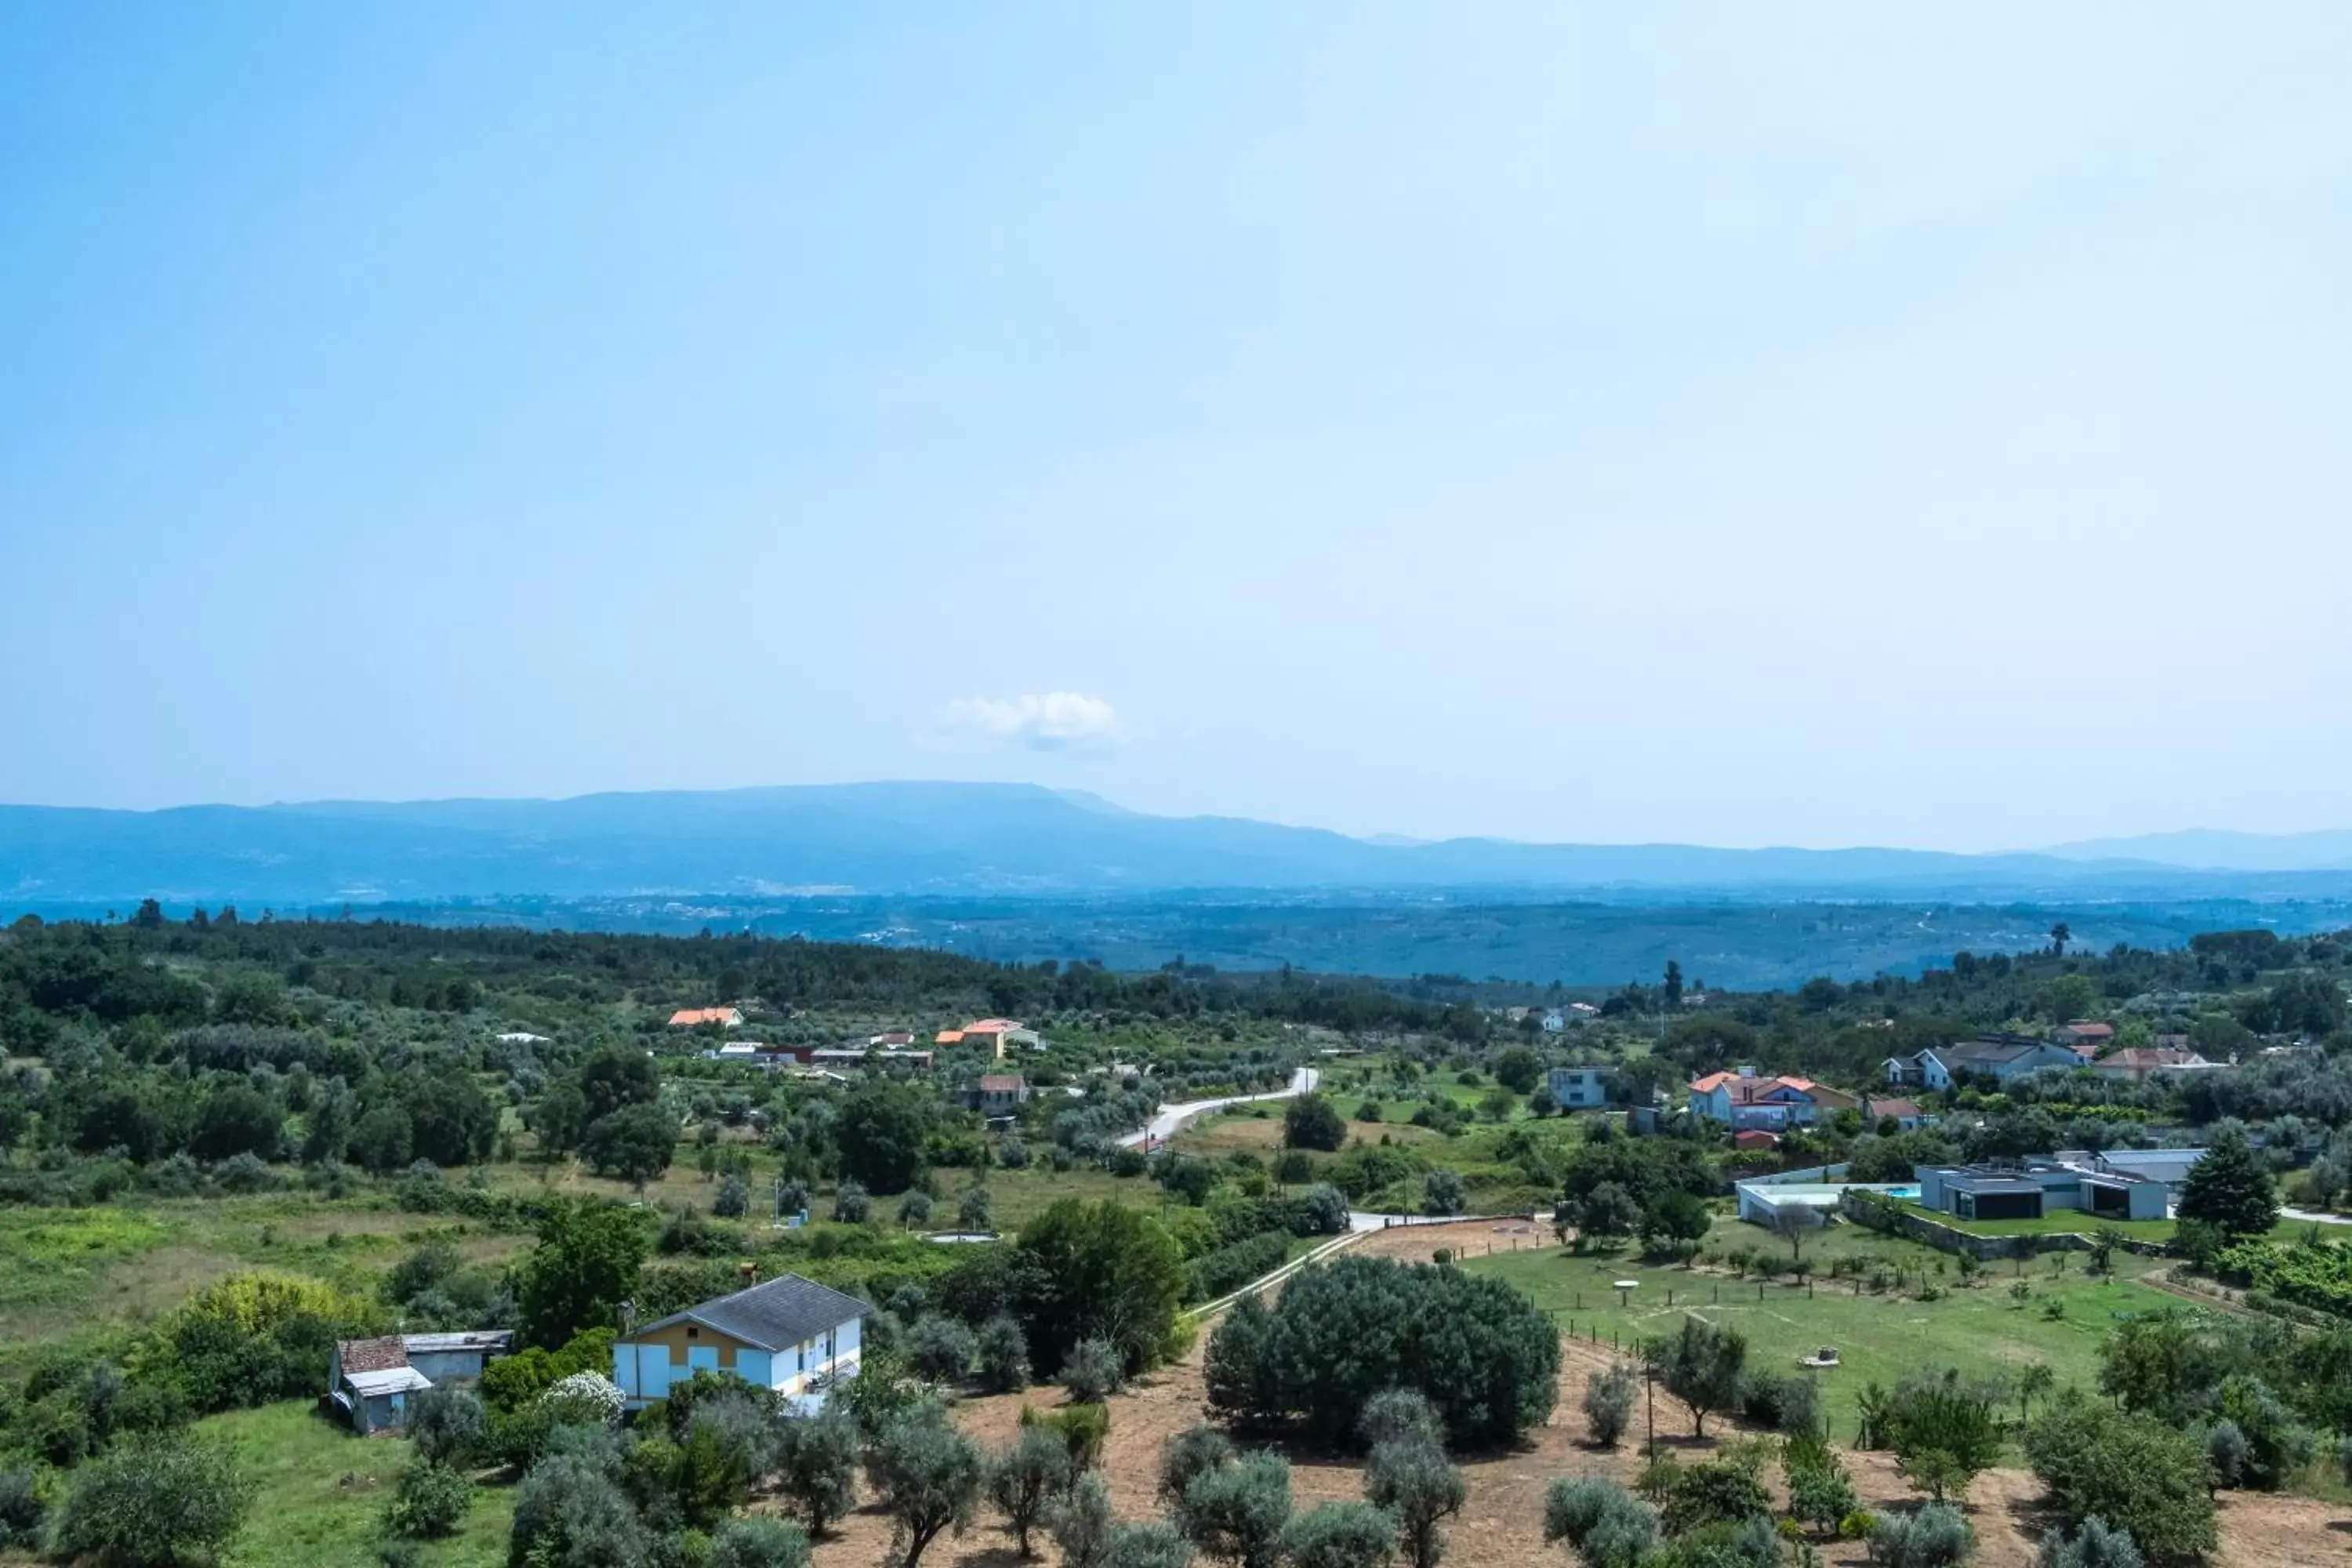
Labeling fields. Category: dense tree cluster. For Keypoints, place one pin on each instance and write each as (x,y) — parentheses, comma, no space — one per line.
(1483,1355)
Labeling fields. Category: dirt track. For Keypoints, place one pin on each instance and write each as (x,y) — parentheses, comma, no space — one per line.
(1501,1524)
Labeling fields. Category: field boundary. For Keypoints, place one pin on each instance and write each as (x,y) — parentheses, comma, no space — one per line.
(1950,1238)
(1210,1309)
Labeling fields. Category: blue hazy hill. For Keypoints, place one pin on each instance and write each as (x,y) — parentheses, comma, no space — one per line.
(925,838)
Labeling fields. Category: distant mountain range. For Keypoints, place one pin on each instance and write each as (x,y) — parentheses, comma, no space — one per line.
(955,839)
(2208,849)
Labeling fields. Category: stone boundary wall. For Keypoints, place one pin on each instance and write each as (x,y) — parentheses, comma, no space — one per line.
(1949,1238)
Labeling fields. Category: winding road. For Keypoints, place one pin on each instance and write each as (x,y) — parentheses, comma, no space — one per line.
(1164,1126)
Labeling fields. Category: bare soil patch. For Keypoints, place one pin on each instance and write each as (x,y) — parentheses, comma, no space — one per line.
(1501,1526)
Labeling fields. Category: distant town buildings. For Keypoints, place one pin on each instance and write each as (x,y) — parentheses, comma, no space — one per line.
(2085,1038)
(1742,1099)
(1579,1089)
(997,1093)
(995,1035)
(2137,1063)
(1999,1057)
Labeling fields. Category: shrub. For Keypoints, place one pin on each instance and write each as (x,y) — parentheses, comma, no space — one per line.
(428,1500)
(1410,1477)
(449,1426)
(1936,1536)
(583,1398)
(1092,1372)
(2133,1472)
(22,1507)
(2225,1452)
(1399,1413)
(2094,1546)
(1082,1525)
(758,1543)
(1156,1543)
(2276,1446)
(253,1338)
(1820,1493)
(816,1467)
(569,1510)
(1789,1403)
(1719,1492)
(1027,1477)
(1609,1403)
(1311,1122)
(1340,1535)
(1083,1429)
(941,1349)
(1442,1192)
(972,1210)
(928,1477)
(1003,1352)
(734,1199)
(1702,1365)
(915,1209)
(1943,1434)
(154,1501)
(1323,1211)
(1097,1270)
(1198,1448)
(1600,1521)
(851,1206)
(244,1173)
(1236,1513)
(1485,1356)
(1228,1268)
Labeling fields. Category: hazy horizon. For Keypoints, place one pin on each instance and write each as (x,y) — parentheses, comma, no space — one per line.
(1841,426)
(1375,836)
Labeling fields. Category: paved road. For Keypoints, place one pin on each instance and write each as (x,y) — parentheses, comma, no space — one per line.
(1164,1126)
(2313,1216)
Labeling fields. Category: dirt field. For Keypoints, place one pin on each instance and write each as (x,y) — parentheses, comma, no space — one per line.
(1501,1524)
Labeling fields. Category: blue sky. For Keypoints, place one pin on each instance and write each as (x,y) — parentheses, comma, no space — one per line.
(1745,425)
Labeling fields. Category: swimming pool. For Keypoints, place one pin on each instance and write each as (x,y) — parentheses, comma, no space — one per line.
(1910,1192)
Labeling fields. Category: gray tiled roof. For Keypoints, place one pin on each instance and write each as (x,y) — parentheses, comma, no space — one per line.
(772,1315)
(1989,1050)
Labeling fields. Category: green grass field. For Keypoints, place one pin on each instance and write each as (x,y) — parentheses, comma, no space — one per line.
(74,1273)
(322,1491)
(1978,1328)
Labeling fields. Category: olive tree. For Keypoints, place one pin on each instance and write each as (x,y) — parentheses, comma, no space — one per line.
(927,1475)
(1026,1477)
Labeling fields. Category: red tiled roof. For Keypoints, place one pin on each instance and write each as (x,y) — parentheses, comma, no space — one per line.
(1897,1107)
(1000,1083)
(990,1025)
(1748,1090)
(685,1017)
(385,1354)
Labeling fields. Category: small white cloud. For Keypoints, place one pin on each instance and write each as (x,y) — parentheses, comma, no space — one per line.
(1066,721)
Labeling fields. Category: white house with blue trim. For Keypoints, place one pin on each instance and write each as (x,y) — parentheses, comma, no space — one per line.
(790,1334)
